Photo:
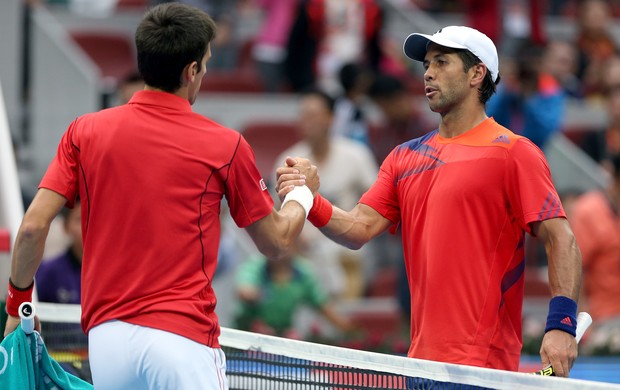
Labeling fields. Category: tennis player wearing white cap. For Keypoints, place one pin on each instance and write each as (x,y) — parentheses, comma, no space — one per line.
(464,196)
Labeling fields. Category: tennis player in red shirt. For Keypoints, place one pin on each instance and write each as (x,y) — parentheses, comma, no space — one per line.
(151,175)
(464,196)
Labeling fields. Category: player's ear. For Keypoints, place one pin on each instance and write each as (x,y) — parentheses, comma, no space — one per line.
(478,71)
(189,72)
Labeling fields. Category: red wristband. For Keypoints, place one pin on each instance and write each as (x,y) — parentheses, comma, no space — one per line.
(16,297)
(321,211)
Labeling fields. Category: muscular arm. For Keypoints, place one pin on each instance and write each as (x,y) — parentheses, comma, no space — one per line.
(352,229)
(564,257)
(355,228)
(30,241)
(275,234)
(558,347)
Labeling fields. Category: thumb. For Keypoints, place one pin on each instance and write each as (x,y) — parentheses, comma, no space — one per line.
(290,161)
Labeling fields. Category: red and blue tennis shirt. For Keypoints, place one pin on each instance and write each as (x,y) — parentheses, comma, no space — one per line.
(464,205)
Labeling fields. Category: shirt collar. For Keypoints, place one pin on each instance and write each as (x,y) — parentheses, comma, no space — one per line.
(160,98)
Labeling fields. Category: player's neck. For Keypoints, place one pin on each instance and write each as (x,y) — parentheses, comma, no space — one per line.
(460,120)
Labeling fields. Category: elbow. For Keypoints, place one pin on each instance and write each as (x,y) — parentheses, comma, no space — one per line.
(354,245)
(277,248)
(32,230)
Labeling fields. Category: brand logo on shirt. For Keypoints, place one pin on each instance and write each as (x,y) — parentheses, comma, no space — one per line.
(567,321)
(503,139)
(262,184)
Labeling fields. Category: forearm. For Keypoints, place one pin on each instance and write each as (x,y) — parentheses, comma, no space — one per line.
(275,234)
(29,247)
(564,267)
(349,229)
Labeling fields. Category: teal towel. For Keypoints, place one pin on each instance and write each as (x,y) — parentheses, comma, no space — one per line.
(25,364)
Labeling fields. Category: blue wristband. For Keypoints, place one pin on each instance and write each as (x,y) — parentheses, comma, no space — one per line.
(562,315)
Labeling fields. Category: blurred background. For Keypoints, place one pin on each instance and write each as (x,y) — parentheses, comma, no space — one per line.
(560,87)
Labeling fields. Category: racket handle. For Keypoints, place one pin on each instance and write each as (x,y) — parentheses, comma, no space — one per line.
(26,313)
(584,320)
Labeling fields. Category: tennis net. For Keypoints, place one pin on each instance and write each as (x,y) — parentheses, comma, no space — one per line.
(256,361)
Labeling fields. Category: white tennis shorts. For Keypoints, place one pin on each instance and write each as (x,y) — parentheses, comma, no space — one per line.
(127,356)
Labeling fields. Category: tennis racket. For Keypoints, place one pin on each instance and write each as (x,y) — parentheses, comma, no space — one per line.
(26,313)
(583,322)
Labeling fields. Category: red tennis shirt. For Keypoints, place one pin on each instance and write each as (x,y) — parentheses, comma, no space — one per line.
(464,204)
(151,175)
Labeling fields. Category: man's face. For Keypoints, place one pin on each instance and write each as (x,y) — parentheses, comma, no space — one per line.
(446,84)
(315,118)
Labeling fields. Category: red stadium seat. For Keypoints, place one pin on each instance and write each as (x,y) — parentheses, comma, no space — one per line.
(5,240)
(236,80)
(384,283)
(126,5)
(112,52)
(268,140)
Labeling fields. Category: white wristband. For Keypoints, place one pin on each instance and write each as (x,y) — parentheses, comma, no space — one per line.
(301,195)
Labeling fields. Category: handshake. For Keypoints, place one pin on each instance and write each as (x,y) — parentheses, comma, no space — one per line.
(298,180)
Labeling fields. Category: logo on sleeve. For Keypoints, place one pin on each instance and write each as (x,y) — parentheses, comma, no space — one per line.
(502,139)
(263,186)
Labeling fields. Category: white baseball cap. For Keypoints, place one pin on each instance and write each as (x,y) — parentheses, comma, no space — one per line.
(456,37)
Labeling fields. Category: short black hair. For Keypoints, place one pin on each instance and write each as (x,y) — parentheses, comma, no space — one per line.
(488,87)
(386,86)
(169,37)
(350,74)
(330,102)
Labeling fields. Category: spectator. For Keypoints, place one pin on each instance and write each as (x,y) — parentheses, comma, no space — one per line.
(225,46)
(349,116)
(326,35)
(347,171)
(401,119)
(59,279)
(530,101)
(270,48)
(130,85)
(271,291)
(560,61)
(602,143)
(596,223)
(595,43)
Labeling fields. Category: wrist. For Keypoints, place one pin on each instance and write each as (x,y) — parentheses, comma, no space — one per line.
(321,211)
(301,195)
(16,296)
(562,315)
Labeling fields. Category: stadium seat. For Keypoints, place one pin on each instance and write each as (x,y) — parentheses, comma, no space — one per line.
(536,286)
(268,140)
(237,80)
(113,52)
(384,283)
(5,240)
(130,5)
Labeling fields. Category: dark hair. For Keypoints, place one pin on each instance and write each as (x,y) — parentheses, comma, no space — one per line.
(169,37)
(488,86)
(614,159)
(314,91)
(132,77)
(350,74)
(386,86)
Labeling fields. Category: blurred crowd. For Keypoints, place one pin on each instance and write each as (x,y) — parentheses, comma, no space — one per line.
(359,98)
